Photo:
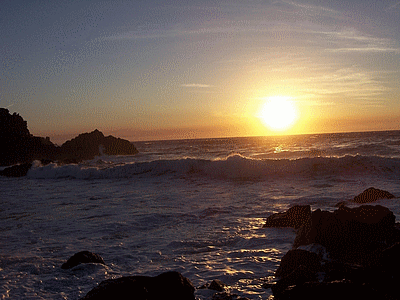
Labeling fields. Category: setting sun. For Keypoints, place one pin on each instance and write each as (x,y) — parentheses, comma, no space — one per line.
(278,113)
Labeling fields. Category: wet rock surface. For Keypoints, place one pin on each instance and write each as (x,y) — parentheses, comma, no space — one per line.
(371,195)
(293,217)
(168,285)
(363,244)
(82,257)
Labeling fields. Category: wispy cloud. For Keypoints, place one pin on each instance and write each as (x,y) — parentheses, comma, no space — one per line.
(390,7)
(196,85)
(353,41)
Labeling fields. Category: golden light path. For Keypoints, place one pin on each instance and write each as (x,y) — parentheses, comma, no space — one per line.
(278,113)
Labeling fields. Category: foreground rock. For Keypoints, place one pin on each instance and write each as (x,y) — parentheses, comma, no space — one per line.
(350,235)
(83,257)
(169,285)
(371,195)
(363,245)
(294,217)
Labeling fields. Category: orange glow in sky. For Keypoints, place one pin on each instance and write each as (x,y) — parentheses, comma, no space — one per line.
(146,70)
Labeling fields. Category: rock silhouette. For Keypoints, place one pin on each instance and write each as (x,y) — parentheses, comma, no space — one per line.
(371,195)
(88,145)
(19,146)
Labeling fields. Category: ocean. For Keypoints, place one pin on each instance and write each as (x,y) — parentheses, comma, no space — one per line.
(193,206)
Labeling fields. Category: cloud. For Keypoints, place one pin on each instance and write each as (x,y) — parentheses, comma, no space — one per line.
(196,85)
(354,41)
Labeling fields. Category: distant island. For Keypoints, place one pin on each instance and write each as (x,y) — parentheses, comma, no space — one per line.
(19,146)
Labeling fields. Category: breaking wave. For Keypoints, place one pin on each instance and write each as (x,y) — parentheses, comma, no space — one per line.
(231,167)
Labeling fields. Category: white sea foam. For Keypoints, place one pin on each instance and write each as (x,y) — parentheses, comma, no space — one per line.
(232,167)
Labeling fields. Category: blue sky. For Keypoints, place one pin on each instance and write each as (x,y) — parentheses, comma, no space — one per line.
(187,69)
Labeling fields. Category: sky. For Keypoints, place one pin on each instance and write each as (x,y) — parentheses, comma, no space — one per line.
(146,70)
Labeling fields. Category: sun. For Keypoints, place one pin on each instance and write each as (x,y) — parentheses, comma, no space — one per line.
(278,113)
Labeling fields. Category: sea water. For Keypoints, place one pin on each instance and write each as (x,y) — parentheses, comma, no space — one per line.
(193,206)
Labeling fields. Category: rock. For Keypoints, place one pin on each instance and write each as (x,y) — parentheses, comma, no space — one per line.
(16,171)
(17,144)
(296,258)
(349,234)
(364,243)
(217,285)
(390,258)
(169,285)
(293,217)
(88,145)
(340,204)
(300,275)
(342,289)
(371,195)
(83,257)
(227,296)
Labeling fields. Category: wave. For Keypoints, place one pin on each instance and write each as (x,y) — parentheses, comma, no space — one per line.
(232,167)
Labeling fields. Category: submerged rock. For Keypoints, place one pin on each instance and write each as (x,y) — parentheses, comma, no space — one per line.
(83,257)
(168,285)
(371,195)
(293,217)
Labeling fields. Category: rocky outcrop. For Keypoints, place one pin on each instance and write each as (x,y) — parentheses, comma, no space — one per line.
(88,145)
(82,257)
(363,245)
(349,234)
(371,195)
(16,171)
(19,146)
(168,285)
(293,217)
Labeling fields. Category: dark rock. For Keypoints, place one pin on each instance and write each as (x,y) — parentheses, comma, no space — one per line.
(300,275)
(217,285)
(349,234)
(18,145)
(88,145)
(82,257)
(169,285)
(371,195)
(390,258)
(343,289)
(16,171)
(293,217)
(227,296)
(364,243)
(296,258)
(340,204)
